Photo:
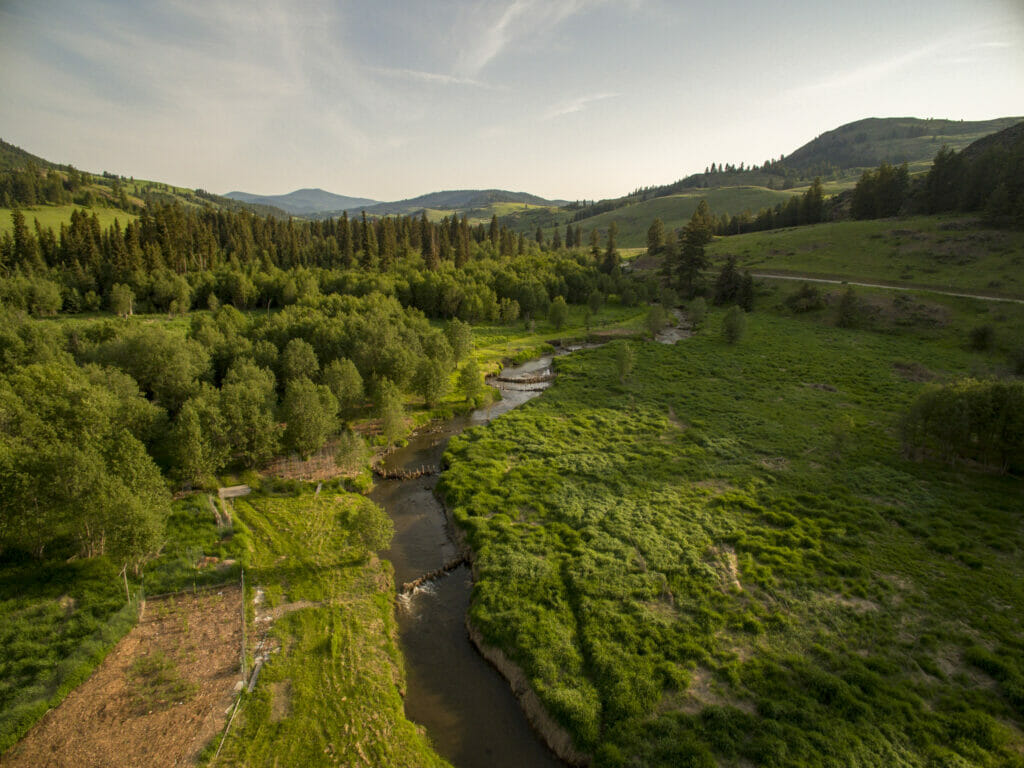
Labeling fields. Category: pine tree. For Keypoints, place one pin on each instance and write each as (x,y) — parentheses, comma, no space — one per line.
(692,259)
(611,254)
(655,237)
(495,232)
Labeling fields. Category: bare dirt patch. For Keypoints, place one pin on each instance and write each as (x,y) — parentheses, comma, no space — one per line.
(280,700)
(912,371)
(197,640)
(715,485)
(703,691)
(723,559)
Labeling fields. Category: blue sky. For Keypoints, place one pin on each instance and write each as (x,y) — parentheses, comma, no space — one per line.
(563,98)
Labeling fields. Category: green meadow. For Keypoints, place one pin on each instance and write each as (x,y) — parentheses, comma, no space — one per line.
(52,216)
(943,252)
(725,559)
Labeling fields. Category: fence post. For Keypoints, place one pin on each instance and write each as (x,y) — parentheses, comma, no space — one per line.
(243,624)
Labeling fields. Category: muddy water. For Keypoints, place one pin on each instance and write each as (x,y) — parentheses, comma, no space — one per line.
(466,706)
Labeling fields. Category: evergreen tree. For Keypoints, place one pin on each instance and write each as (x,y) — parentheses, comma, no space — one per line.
(692,259)
(655,237)
(611,254)
(746,294)
(727,286)
(495,232)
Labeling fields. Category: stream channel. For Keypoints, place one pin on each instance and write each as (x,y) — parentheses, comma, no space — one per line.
(466,706)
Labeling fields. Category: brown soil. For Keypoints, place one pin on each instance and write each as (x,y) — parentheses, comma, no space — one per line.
(100,724)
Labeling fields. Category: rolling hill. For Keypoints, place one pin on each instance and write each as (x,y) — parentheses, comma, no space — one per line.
(837,156)
(868,143)
(304,202)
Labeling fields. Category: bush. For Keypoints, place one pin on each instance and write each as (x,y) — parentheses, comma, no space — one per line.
(734,324)
(982,337)
(657,319)
(852,312)
(806,298)
(697,311)
(1017,361)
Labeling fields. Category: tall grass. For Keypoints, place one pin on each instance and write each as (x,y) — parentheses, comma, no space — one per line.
(726,560)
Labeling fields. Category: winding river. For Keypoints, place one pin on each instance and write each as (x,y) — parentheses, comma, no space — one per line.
(466,706)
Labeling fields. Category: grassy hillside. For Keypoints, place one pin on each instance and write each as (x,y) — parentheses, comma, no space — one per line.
(675,211)
(867,143)
(12,157)
(726,560)
(945,252)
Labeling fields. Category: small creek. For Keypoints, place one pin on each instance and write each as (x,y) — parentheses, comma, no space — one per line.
(467,707)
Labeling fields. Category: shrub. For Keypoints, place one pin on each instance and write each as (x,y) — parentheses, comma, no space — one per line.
(657,319)
(851,311)
(697,311)
(806,298)
(734,324)
(982,337)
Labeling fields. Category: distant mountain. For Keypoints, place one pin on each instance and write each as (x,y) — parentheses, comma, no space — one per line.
(459,200)
(867,143)
(304,202)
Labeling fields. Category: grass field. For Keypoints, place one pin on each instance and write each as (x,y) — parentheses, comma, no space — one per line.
(726,560)
(331,695)
(949,253)
(52,216)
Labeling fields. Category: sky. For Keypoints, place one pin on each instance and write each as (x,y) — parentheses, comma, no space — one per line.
(567,99)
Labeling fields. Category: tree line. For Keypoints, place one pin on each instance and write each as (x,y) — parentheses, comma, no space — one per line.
(988,180)
(175,257)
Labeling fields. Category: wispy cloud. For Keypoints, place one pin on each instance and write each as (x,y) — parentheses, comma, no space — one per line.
(493,27)
(429,77)
(575,105)
(868,73)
